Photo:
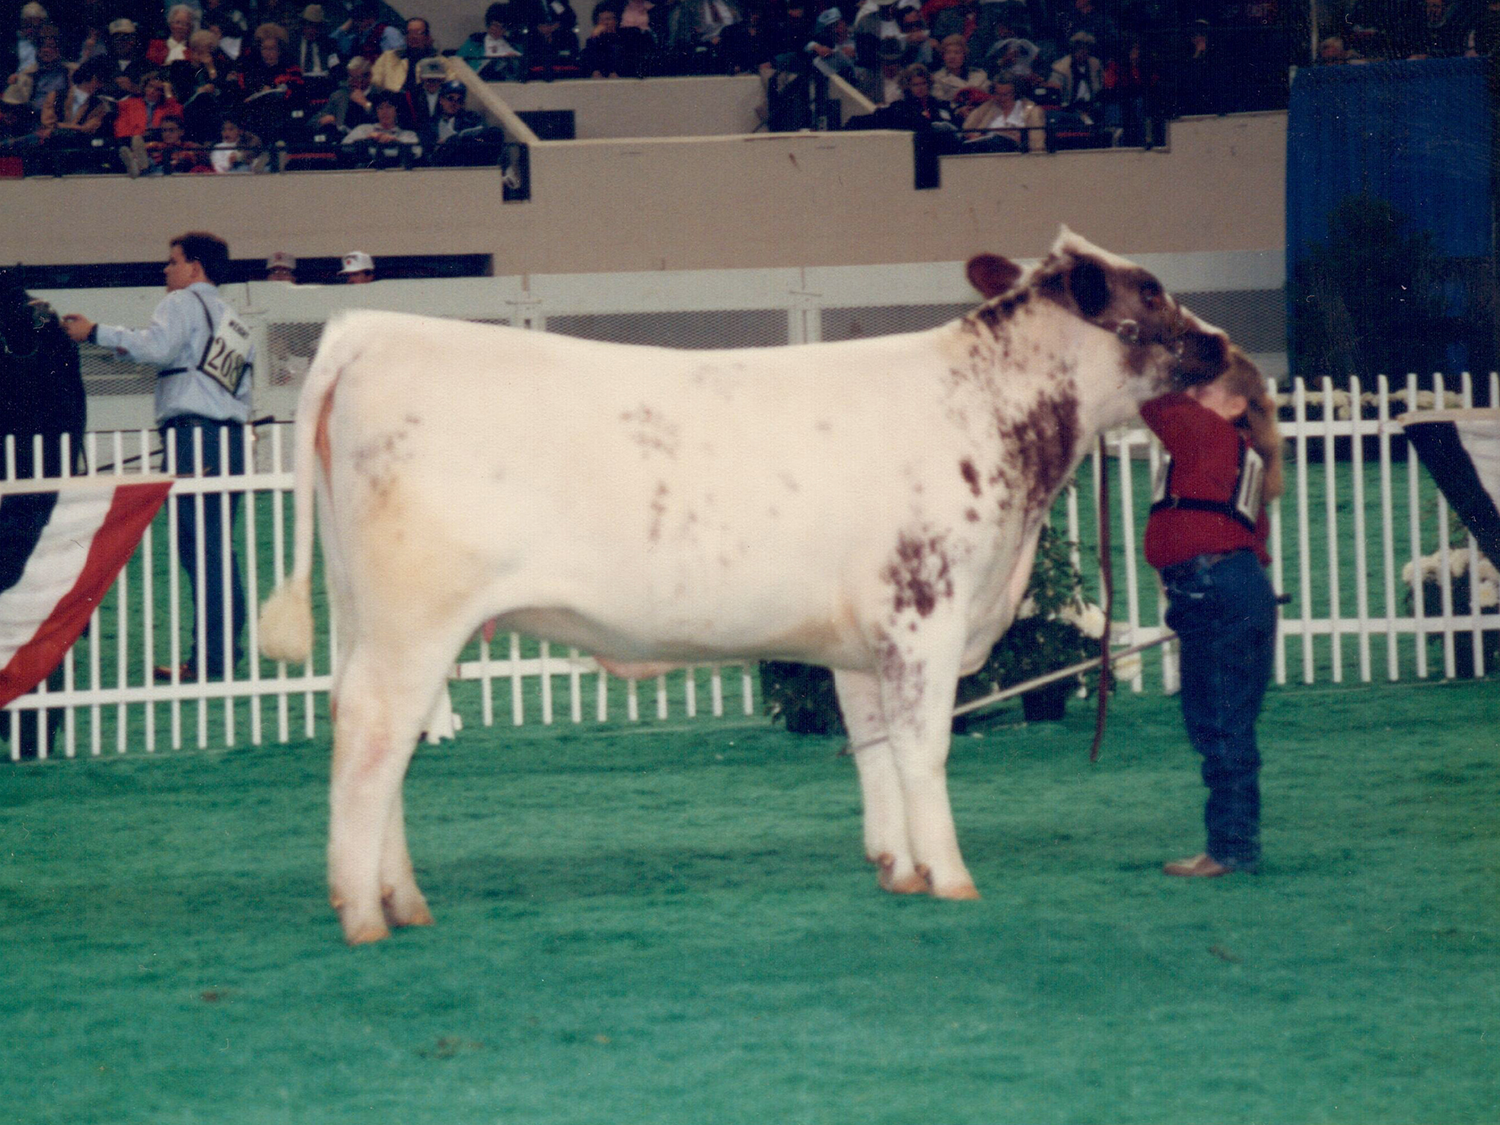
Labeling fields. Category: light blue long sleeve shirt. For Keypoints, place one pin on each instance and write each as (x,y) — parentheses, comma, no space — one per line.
(175,341)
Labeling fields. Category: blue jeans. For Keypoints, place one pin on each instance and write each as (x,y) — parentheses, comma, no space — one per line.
(213,527)
(1224,611)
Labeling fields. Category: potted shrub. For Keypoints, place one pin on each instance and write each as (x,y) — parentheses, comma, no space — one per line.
(1054,628)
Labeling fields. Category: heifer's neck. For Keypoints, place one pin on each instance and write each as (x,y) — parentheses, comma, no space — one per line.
(1054,383)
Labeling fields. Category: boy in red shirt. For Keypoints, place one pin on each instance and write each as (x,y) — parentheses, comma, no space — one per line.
(1207,537)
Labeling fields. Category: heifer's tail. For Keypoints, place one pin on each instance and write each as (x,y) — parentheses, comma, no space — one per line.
(286,623)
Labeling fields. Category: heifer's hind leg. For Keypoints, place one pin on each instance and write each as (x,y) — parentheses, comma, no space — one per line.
(887,844)
(400,899)
(383,696)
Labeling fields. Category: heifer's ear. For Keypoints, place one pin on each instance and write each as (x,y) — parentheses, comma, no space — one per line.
(992,274)
(1088,282)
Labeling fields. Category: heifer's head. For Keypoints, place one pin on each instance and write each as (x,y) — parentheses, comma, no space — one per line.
(1118,296)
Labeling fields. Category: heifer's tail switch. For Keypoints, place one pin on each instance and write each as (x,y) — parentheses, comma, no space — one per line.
(286,625)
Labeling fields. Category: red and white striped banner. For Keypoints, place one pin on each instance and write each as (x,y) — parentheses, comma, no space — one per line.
(61,545)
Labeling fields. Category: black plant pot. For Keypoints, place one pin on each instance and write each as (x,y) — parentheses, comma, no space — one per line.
(1047,704)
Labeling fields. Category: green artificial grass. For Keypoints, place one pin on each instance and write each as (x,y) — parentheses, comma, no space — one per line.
(660,924)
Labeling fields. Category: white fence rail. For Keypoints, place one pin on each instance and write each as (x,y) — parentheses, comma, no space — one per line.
(1359,522)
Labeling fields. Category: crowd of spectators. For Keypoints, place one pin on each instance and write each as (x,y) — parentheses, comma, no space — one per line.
(224,86)
(223,89)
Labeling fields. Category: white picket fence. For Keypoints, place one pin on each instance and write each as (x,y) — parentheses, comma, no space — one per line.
(1340,522)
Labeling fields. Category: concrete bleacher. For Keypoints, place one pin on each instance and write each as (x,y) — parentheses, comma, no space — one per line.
(708,199)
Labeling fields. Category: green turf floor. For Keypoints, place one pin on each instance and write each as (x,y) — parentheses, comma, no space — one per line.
(672,925)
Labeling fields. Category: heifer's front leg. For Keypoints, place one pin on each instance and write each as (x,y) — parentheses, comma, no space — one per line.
(887,843)
(918,676)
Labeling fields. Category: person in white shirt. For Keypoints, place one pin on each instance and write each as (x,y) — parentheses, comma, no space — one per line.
(206,360)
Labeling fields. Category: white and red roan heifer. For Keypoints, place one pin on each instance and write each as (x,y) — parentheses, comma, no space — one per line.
(871,506)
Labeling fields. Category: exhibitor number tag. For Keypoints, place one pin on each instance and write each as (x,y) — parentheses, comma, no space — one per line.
(228,353)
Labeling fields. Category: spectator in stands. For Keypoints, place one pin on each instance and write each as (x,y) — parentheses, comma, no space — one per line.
(383,141)
(227,22)
(643,29)
(833,43)
(182,21)
(1448,30)
(432,72)
(238,150)
(1085,16)
(1015,58)
(145,110)
(872,26)
(883,84)
(129,62)
(271,84)
(918,109)
(164,151)
(1199,74)
(603,54)
(551,31)
(496,53)
(17,119)
(706,34)
(350,106)
(205,85)
(316,54)
(22,55)
(980,24)
(1332,52)
(921,49)
(365,33)
(1004,123)
(1132,91)
(71,118)
(1487,35)
(281,266)
(449,130)
(396,70)
(766,41)
(1078,77)
(88,34)
(358,268)
(50,75)
(956,74)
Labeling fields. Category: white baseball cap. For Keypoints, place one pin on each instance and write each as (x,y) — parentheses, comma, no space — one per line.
(357,261)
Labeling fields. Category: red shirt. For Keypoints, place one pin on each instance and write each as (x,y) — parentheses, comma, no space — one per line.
(1206,456)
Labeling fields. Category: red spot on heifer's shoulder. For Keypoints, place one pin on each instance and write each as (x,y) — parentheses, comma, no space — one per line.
(920,575)
(1038,445)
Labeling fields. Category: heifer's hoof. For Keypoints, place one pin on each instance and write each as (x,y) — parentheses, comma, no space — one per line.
(908,883)
(961,889)
(360,927)
(959,893)
(364,935)
(405,910)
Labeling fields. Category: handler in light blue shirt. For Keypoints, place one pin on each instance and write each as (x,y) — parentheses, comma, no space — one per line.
(206,358)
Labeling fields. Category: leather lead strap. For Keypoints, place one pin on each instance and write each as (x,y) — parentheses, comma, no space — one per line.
(1106,577)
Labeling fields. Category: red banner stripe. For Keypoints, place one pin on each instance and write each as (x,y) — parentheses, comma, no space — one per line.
(131,509)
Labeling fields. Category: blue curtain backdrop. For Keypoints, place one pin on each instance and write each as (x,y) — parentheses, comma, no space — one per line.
(1415,134)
